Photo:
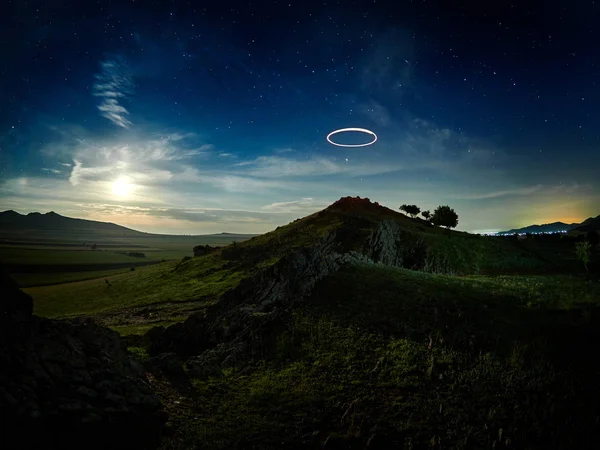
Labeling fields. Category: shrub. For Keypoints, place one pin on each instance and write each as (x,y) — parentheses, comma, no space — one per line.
(583,250)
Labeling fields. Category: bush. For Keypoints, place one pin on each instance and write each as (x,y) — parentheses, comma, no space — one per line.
(583,250)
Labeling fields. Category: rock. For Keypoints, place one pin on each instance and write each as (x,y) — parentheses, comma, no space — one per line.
(169,363)
(87,392)
(16,307)
(51,376)
(201,250)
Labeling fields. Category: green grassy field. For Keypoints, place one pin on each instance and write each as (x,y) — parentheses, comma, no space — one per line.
(26,280)
(53,257)
(135,301)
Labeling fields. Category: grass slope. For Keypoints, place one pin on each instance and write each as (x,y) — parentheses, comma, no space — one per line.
(47,279)
(382,357)
(164,292)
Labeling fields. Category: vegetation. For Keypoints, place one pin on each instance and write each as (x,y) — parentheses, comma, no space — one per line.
(584,252)
(426,214)
(412,210)
(444,216)
(167,291)
(429,361)
(45,279)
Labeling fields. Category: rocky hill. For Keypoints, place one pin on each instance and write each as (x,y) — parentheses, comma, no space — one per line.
(332,343)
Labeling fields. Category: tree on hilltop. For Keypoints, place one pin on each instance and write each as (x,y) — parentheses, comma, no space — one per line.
(426,214)
(444,216)
(412,210)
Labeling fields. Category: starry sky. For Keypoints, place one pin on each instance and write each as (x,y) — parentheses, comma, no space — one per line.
(204,117)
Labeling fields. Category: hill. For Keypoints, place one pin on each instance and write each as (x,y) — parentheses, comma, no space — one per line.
(366,329)
(555,227)
(51,221)
(358,327)
(170,292)
(11,220)
(591,224)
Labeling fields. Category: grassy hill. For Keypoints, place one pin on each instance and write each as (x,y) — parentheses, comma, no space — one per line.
(353,221)
(424,338)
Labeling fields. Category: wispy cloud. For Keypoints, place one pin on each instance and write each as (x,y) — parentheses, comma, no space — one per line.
(279,167)
(55,171)
(305,205)
(79,172)
(527,190)
(114,82)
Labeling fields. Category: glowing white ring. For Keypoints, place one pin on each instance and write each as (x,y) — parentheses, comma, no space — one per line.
(362,130)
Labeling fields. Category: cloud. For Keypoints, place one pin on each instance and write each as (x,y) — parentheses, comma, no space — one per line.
(90,173)
(278,167)
(196,215)
(55,171)
(527,190)
(305,205)
(114,82)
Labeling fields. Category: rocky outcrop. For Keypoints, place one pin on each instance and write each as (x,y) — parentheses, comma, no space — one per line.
(69,384)
(392,246)
(16,306)
(258,305)
(246,318)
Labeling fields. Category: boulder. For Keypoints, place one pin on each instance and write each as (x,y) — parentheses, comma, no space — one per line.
(70,384)
(201,250)
(15,305)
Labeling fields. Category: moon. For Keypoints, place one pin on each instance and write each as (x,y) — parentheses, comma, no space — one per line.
(122,187)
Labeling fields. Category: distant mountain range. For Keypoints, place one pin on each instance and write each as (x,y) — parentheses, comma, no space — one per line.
(593,223)
(51,221)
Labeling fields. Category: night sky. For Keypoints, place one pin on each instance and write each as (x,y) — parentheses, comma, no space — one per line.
(181,118)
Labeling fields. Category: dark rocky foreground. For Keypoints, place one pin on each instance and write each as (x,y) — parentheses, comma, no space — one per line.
(69,384)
